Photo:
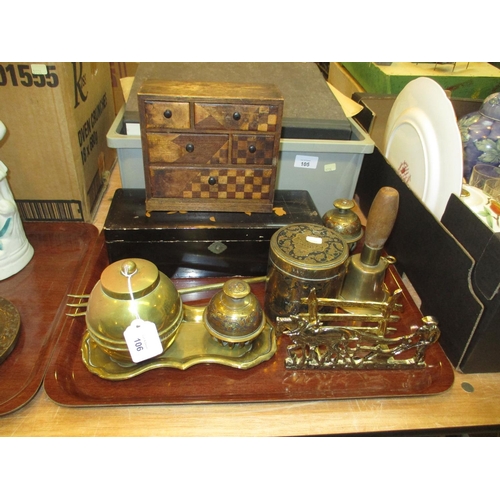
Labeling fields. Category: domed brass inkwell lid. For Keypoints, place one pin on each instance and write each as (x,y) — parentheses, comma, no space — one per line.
(234,315)
(344,221)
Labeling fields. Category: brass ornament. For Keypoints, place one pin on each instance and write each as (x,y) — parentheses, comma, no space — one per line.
(128,289)
(355,341)
(344,221)
(302,257)
(193,345)
(234,316)
(244,342)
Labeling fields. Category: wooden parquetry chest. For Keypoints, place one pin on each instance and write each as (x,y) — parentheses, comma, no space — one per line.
(210,146)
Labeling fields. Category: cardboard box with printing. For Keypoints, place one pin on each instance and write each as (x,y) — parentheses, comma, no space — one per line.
(57,116)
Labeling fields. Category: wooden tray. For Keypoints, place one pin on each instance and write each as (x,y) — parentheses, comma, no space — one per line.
(39,294)
(69,383)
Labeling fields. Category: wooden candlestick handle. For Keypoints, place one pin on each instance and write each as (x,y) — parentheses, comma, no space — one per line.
(381,217)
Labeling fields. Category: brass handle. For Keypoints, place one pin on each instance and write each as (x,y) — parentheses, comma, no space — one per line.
(215,286)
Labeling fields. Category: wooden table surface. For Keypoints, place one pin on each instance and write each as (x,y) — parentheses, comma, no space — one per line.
(447,412)
(472,404)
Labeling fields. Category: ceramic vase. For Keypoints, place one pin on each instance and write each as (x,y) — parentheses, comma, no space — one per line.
(480,133)
(15,249)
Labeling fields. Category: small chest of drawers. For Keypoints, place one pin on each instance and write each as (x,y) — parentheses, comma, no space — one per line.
(210,146)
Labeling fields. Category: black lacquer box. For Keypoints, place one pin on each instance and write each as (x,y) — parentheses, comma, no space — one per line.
(201,244)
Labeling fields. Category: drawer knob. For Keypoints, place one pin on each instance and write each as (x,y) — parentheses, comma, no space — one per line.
(212,181)
(252,148)
(236,116)
(189,148)
(167,113)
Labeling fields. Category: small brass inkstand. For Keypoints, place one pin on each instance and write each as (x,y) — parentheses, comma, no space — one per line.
(231,330)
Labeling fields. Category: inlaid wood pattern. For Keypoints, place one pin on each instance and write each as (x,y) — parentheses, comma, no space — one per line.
(187,126)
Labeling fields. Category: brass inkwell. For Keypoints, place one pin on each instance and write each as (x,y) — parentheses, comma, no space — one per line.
(234,316)
(231,330)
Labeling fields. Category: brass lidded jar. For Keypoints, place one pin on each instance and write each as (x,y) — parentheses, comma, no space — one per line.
(303,257)
(129,288)
(234,316)
(344,221)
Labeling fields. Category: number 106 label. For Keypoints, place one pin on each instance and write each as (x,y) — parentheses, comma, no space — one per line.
(142,340)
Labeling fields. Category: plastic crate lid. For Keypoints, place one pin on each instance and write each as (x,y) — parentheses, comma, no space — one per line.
(310,109)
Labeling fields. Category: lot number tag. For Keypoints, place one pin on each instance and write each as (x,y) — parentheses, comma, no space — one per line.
(306,161)
(142,340)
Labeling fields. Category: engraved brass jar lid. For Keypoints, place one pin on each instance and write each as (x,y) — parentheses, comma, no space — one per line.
(144,278)
(344,221)
(308,251)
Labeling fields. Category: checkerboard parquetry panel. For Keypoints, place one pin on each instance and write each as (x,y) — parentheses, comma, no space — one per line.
(262,154)
(237,184)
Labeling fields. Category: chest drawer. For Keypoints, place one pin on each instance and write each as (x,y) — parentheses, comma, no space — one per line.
(234,116)
(252,149)
(187,149)
(210,146)
(227,185)
(166,115)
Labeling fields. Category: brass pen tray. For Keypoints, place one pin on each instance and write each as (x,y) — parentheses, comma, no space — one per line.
(69,382)
(193,345)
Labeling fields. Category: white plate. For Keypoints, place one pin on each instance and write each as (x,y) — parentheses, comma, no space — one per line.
(422,142)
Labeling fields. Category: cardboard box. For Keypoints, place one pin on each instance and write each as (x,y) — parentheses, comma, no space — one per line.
(474,80)
(453,264)
(342,80)
(120,70)
(479,352)
(437,265)
(57,116)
